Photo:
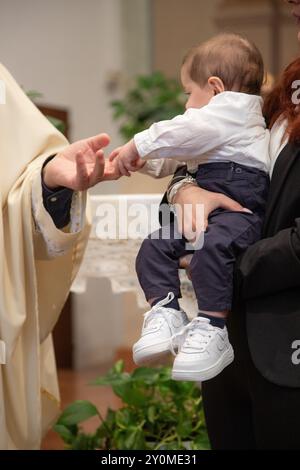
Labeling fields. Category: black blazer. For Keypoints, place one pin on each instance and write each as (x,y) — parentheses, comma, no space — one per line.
(268,278)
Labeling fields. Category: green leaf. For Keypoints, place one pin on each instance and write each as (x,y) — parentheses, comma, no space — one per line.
(152,413)
(153,98)
(65,433)
(85,442)
(146,375)
(185,427)
(33,94)
(134,440)
(125,417)
(118,368)
(201,442)
(77,412)
(129,394)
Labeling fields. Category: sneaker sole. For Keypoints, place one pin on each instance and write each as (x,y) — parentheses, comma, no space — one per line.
(207,374)
(151,353)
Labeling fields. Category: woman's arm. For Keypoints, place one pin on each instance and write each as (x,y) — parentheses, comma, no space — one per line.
(272,264)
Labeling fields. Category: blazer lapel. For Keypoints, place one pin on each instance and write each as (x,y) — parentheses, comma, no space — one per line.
(283,165)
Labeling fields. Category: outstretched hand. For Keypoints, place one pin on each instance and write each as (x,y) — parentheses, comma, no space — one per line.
(81,165)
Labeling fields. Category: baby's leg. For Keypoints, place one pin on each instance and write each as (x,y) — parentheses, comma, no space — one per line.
(157,264)
(157,268)
(211,268)
(206,350)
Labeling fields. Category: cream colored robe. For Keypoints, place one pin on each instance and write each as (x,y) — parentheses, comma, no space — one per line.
(37,265)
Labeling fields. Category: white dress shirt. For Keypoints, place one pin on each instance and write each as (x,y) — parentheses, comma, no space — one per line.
(230,128)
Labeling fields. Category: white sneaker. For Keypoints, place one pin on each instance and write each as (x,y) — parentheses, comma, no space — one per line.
(160,324)
(204,353)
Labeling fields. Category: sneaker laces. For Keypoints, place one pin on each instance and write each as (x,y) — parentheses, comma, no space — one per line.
(197,334)
(155,317)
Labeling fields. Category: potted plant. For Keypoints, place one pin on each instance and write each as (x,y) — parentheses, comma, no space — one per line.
(157,413)
(153,98)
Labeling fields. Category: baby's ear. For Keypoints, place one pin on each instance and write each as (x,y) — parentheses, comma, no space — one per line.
(216,84)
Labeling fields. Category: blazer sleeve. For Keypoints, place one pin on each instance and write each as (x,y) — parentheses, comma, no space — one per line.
(271,265)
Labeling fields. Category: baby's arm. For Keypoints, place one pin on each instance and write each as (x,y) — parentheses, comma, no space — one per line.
(154,168)
(183,138)
(186,137)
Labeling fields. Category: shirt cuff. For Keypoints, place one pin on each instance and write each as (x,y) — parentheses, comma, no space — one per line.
(57,202)
(143,143)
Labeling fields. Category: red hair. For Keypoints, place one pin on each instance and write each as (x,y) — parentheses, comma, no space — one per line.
(279,103)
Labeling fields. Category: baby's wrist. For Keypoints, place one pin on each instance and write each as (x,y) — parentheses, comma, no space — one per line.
(133,148)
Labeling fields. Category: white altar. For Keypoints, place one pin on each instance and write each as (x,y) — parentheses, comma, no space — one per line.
(107,301)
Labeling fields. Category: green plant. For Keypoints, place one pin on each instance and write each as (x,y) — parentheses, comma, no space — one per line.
(58,123)
(154,98)
(157,413)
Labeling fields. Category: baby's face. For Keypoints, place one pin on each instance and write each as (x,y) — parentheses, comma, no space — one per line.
(197,96)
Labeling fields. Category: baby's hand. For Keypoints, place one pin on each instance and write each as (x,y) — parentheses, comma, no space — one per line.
(128,158)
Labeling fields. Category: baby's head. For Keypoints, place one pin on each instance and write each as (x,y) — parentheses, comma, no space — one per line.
(226,62)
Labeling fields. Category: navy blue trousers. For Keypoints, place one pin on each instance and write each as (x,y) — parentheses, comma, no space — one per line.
(227,236)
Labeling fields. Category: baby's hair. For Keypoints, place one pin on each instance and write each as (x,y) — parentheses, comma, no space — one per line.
(231,57)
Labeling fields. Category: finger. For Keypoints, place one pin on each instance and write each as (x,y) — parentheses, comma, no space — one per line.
(122,168)
(189,222)
(82,173)
(114,154)
(135,165)
(247,211)
(179,222)
(99,141)
(98,170)
(131,167)
(230,204)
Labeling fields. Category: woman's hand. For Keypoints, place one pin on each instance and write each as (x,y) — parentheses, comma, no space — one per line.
(81,165)
(192,196)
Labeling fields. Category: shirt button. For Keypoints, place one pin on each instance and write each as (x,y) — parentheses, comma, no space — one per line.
(53,199)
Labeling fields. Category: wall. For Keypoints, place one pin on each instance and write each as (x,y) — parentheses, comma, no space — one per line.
(82,55)
(72,52)
(177,26)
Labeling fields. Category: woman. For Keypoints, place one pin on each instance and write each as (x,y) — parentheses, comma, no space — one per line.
(255,402)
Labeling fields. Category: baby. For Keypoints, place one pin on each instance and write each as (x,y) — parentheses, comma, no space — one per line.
(222,137)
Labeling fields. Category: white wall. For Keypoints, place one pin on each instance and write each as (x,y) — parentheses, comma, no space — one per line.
(69,50)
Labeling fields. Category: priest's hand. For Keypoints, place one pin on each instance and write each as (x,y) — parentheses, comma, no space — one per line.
(81,165)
